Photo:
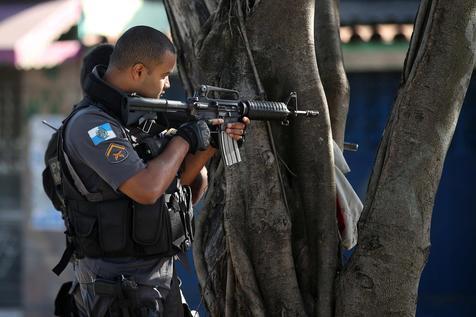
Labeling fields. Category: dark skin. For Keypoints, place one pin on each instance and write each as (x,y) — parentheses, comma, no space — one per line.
(148,185)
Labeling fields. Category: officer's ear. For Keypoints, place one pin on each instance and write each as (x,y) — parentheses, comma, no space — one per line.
(137,71)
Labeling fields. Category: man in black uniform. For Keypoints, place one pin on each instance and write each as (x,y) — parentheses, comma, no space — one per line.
(98,55)
(119,208)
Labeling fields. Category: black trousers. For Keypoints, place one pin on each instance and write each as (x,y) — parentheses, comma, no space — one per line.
(153,305)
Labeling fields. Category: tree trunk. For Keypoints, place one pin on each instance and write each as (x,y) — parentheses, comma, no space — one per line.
(260,251)
(266,241)
(382,277)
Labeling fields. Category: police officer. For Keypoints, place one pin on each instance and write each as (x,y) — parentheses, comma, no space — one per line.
(117,211)
(99,55)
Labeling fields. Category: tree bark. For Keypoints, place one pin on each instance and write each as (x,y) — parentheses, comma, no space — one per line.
(382,277)
(276,253)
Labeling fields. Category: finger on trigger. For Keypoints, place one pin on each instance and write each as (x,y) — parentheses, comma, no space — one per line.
(236,125)
(234,131)
(215,121)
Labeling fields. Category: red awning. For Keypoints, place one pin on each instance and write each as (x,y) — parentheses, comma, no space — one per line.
(28,37)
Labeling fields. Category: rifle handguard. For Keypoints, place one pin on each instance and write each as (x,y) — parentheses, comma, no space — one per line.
(266,110)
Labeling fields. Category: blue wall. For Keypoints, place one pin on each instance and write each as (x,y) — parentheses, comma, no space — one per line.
(447,286)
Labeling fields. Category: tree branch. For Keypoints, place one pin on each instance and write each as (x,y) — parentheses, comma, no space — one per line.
(307,150)
(331,65)
(394,232)
(419,37)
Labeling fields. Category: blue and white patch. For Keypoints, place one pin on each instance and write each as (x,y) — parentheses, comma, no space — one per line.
(101,133)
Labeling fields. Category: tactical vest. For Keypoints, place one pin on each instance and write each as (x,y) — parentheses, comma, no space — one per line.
(108,224)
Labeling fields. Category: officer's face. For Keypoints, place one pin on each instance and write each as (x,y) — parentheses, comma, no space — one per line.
(156,79)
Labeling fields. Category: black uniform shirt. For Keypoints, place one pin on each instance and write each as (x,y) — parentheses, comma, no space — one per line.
(100,152)
(99,149)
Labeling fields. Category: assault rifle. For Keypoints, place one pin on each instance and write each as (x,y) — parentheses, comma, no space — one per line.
(228,107)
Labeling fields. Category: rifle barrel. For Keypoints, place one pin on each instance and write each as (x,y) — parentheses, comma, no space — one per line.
(351,146)
(155,105)
(307,113)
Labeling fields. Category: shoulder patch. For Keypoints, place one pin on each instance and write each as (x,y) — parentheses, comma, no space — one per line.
(116,153)
(101,133)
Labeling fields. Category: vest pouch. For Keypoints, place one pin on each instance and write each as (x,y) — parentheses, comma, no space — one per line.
(112,223)
(85,228)
(181,217)
(151,226)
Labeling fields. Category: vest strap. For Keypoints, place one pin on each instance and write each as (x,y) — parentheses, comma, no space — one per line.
(63,262)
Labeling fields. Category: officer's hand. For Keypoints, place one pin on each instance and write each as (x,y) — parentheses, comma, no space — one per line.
(235,130)
(196,133)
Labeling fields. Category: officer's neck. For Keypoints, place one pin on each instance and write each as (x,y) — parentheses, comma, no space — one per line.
(119,79)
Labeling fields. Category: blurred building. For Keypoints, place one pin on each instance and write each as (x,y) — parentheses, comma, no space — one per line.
(41,46)
(38,62)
